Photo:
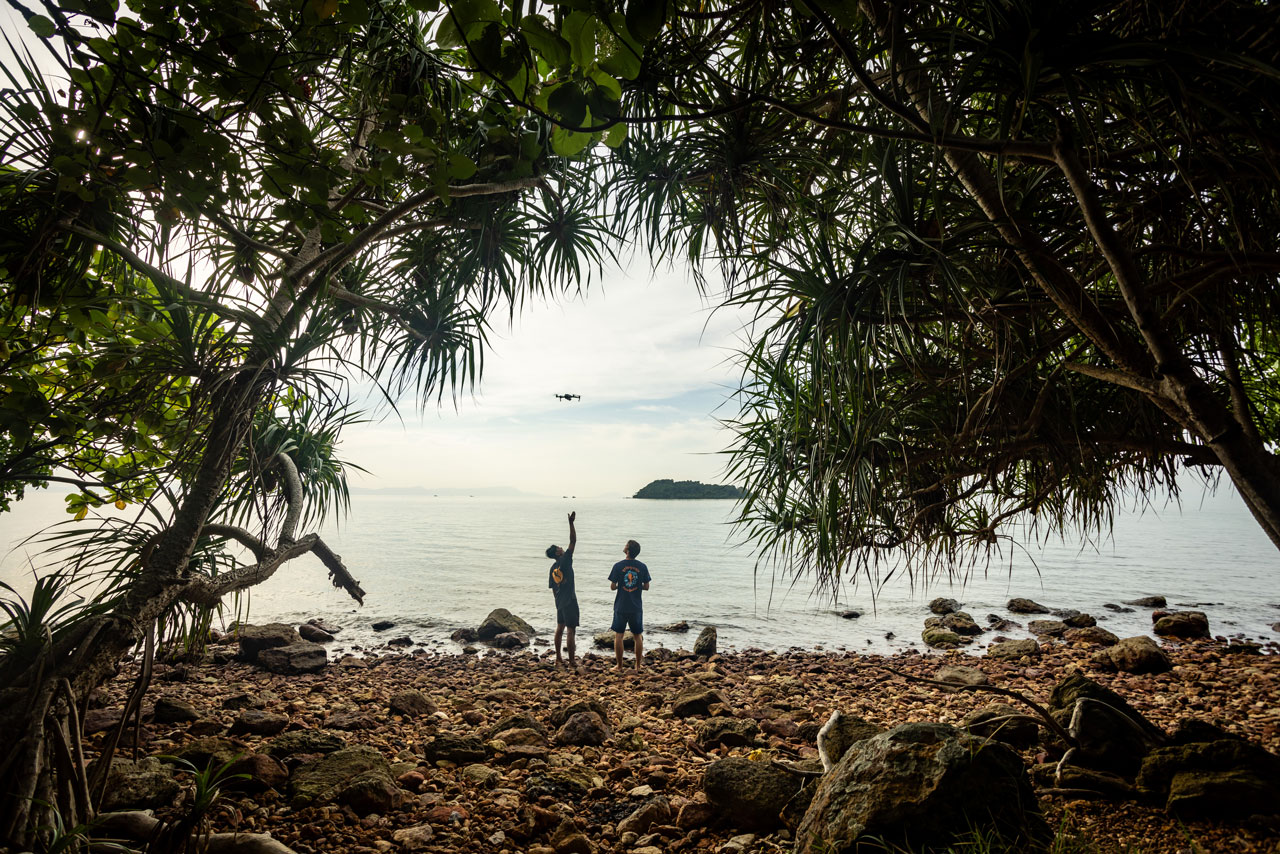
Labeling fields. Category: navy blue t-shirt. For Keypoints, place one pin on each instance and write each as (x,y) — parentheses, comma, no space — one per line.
(564,591)
(631,576)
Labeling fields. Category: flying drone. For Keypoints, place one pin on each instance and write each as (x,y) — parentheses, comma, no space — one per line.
(569,397)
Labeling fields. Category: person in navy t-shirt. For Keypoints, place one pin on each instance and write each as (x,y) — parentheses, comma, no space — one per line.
(630,578)
(560,580)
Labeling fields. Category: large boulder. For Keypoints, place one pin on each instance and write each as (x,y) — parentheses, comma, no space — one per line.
(560,714)
(254,639)
(751,795)
(171,710)
(1018,605)
(411,703)
(510,640)
(1047,628)
(1148,602)
(961,623)
(1002,722)
(1092,635)
(257,772)
(1111,735)
(500,621)
(730,732)
(583,728)
(305,741)
(940,638)
(315,634)
(1181,624)
(259,722)
(145,784)
(921,785)
(1014,649)
(1133,655)
(842,732)
(460,750)
(1226,778)
(301,657)
(942,605)
(695,701)
(705,645)
(358,777)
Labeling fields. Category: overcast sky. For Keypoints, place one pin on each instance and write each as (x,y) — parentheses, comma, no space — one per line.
(652,361)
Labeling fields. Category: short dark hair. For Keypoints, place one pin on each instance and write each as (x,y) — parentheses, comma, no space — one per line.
(551,551)
(633,548)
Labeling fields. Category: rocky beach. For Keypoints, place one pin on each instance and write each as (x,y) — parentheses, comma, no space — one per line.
(502,752)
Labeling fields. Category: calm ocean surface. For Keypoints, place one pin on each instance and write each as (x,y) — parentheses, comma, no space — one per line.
(433,564)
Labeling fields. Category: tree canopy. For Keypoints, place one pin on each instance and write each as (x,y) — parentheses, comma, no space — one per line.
(1012,261)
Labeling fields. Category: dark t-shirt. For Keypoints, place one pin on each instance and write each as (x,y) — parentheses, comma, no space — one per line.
(564,591)
(631,576)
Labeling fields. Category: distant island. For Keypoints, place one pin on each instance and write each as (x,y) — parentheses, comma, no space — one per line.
(668,488)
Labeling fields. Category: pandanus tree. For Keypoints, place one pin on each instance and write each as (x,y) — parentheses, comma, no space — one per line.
(1012,261)
(216,216)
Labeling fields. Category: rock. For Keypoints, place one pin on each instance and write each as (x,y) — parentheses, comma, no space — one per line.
(941,638)
(204,752)
(850,615)
(583,728)
(680,627)
(411,703)
(1135,655)
(961,623)
(465,635)
(301,741)
(921,785)
(358,777)
(1182,624)
(414,838)
(1066,614)
(1119,609)
(562,713)
(256,700)
(695,814)
(992,721)
(1080,621)
(324,625)
(259,722)
(1095,635)
(570,783)
(750,795)
(481,775)
(944,606)
(575,843)
(404,640)
(654,811)
(961,675)
(170,710)
(501,621)
(510,640)
(101,720)
(315,634)
(730,732)
(460,750)
(999,624)
(835,738)
(350,720)
(1019,605)
(261,772)
(1148,602)
(145,784)
(254,639)
(604,640)
(705,645)
(1111,735)
(301,657)
(383,625)
(696,701)
(1222,779)
(1014,649)
(1047,628)
(1104,783)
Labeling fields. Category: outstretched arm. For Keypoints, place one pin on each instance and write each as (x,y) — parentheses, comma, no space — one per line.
(573,535)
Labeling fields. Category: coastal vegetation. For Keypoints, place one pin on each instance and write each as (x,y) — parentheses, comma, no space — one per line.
(668,488)
(1011,263)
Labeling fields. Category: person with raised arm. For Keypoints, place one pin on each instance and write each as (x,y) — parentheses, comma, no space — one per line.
(560,580)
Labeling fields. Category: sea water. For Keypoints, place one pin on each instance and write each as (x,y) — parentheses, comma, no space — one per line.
(432,564)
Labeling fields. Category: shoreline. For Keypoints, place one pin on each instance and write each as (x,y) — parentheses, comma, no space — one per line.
(651,750)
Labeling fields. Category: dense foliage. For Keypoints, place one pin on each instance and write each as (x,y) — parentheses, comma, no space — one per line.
(668,488)
(1014,262)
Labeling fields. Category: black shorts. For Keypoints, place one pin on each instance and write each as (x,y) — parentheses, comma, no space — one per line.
(622,618)
(567,614)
